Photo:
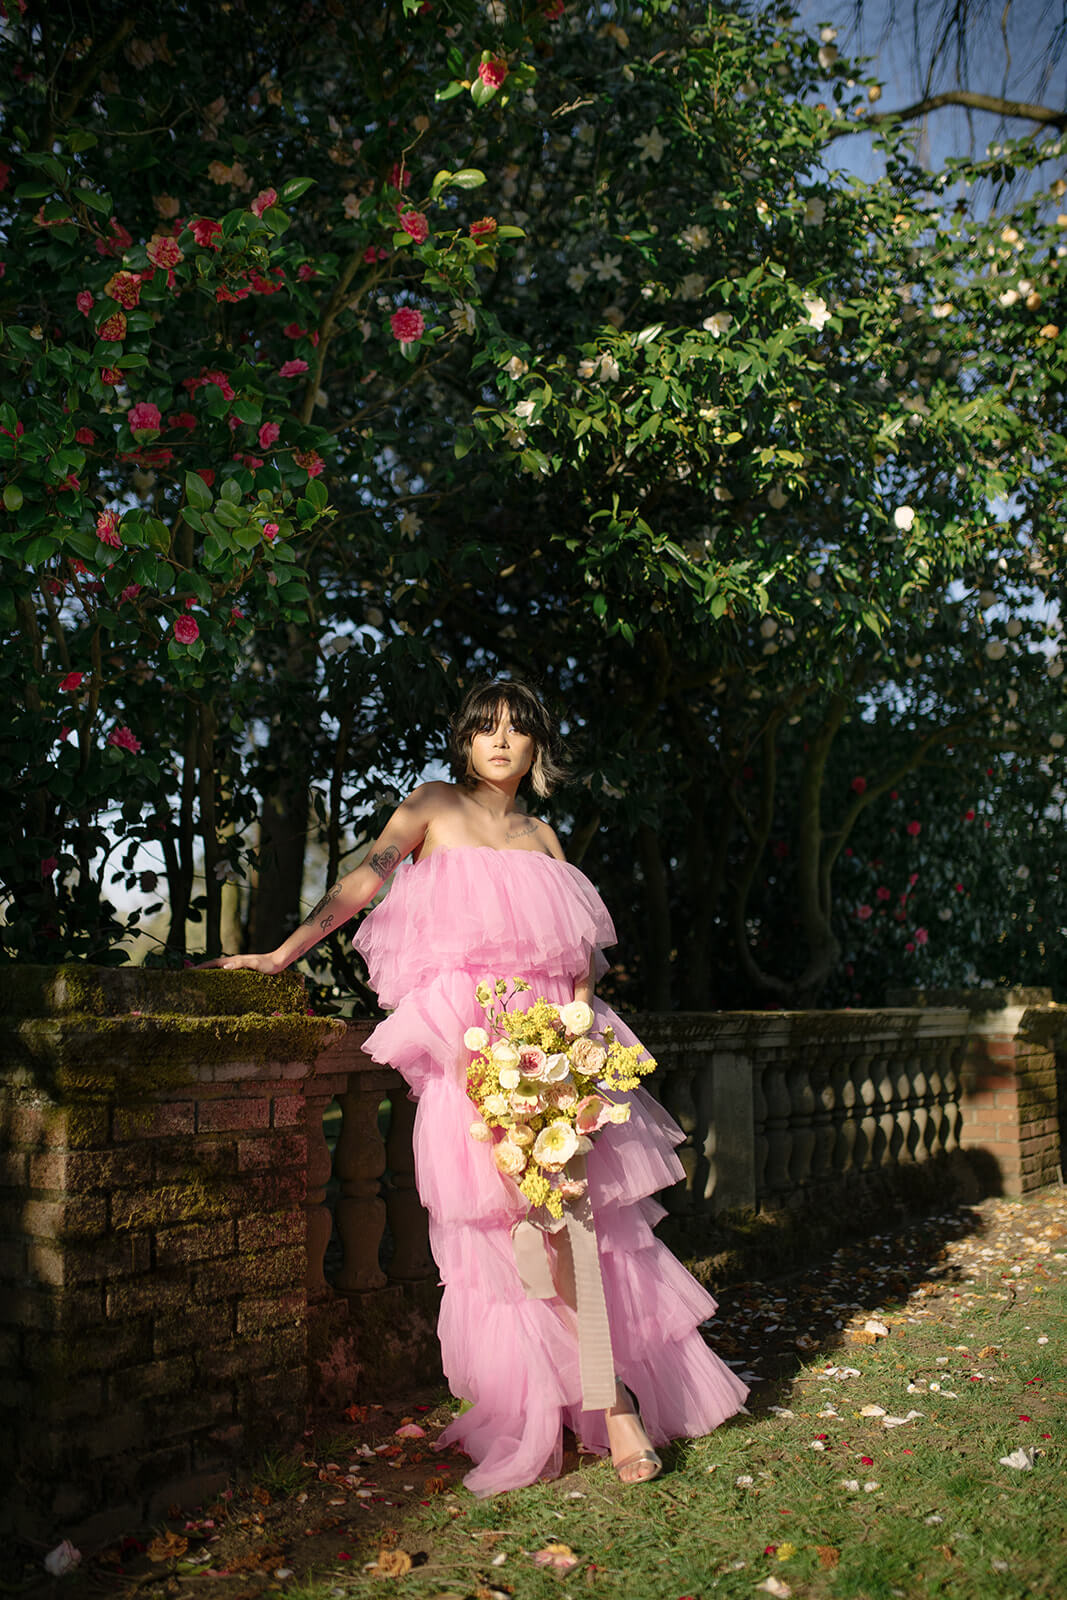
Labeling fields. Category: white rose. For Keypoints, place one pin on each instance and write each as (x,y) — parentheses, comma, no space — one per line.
(617,1114)
(510,1077)
(476,1039)
(504,1054)
(496,1104)
(481,1132)
(509,1158)
(557,1068)
(576,1017)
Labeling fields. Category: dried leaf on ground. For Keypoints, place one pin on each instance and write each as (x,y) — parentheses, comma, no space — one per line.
(391,1564)
(167,1547)
(828,1555)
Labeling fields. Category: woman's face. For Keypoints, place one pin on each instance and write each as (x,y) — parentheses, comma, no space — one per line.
(499,752)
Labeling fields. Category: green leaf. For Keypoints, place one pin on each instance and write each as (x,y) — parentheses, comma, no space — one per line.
(449,91)
(197,492)
(468,178)
(316,493)
(293,188)
(96,202)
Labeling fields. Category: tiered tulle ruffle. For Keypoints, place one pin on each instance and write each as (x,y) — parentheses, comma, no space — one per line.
(458,917)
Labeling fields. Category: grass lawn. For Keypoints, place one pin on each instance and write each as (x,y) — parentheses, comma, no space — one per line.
(870,1466)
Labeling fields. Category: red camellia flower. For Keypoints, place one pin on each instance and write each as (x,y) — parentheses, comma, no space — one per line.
(145,417)
(264,200)
(866,1461)
(48,866)
(125,287)
(483,229)
(882,893)
(5,174)
(164,251)
(914,829)
(407,325)
(375,252)
(203,231)
(85,302)
(186,630)
(131,591)
(208,475)
(107,529)
(113,328)
(414,223)
(268,433)
(310,460)
(292,369)
(859,785)
(493,72)
(124,739)
(72,681)
(117,241)
(270,531)
(111,376)
(864,913)
(968,815)
(85,436)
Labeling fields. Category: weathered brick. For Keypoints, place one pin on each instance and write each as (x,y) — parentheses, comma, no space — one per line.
(203,1241)
(90,1350)
(41,1308)
(269,1311)
(273,1150)
(172,1416)
(14,1168)
(39,1126)
(197,1328)
(195,1200)
(271,1191)
(198,1487)
(99,1259)
(288,1111)
(115,1433)
(252,1111)
(80,1171)
(12,1260)
(173,1375)
(283,1347)
(265,1269)
(280,1389)
(210,1157)
(148,1296)
(271,1231)
(151,1120)
(72,1217)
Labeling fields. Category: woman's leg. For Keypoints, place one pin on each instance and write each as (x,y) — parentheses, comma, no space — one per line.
(626,1436)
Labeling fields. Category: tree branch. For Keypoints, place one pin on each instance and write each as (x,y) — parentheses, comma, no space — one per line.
(1047,116)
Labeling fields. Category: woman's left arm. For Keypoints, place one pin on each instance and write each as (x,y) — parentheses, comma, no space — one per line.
(585,988)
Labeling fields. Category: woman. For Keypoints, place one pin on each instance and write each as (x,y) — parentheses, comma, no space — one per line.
(489,894)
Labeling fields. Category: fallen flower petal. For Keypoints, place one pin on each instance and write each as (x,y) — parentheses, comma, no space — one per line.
(775,1586)
(410,1430)
(1021,1460)
(559,1557)
(64,1558)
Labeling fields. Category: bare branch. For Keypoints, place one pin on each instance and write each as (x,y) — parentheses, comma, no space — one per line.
(1047,116)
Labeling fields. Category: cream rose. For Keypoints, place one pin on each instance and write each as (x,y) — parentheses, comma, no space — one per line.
(577,1017)
(476,1039)
(556,1068)
(496,1105)
(509,1158)
(504,1054)
(555,1145)
(588,1056)
(510,1077)
(618,1114)
(481,1132)
(521,1135)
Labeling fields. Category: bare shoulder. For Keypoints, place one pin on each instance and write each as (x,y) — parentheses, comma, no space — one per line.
(429,800)
(550,839)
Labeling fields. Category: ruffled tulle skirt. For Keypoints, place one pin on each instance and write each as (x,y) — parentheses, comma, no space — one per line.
(516,1359)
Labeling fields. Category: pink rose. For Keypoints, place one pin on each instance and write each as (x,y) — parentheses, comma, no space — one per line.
(493,72)
(292,369)
(145,417)
(107,529)
(203,231)
(415,224)
(124,739)
(407,325)
(264,200)
(186,630)
(268,433)
(85,302)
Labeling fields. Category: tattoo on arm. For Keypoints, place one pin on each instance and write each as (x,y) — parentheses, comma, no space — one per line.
(326,922)
(384,861)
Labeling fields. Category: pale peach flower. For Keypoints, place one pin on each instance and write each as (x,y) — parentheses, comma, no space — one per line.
(591,1113)
(509,1158)
(588,1056)
(481,1132)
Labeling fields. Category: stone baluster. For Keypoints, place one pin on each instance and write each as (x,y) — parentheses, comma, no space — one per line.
(887,1130)
(319,1166)
(845,1124)
(674,1089)
(920,1108)
(863,1075)
(801,1114)
(952,1061)
(411,1260)
(360,1164)
(900,1145)
(823,1125)
(936,1125)
(759,1133)
(779,1134)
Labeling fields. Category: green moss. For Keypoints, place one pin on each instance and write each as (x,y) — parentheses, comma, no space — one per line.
(201,1198)
(79,989)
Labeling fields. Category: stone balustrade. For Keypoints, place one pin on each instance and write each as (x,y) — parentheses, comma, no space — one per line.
(176,1287)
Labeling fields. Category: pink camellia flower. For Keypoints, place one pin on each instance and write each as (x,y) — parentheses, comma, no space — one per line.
(263,201)
(221,382)
(922,936)
(292,369)
(186,629)
(48,866)
(407,325)
(85,302)
(112,376)
(483,229)
(960,889)
(164,251)
(235,614)
(107,529)
(208,475)
(268,433)
(85,436)
(182,419)
(859,785)
(398,177)
(125,287)
(493,72)
(882,893)
(864,913)
(145,417)
(415,224)
(131,591)
(270,531)
(124,739)
(305,271)
(118,240)
(968,815)
(293,330)
(204,230)
(914,829)
(113,328)
(311,462)
(913,880)
(375,252)
(910,946)
(72,681)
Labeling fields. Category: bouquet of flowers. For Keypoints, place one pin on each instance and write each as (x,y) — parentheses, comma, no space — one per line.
(545,1079)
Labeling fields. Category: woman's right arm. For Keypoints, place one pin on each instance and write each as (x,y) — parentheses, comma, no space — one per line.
(402,834)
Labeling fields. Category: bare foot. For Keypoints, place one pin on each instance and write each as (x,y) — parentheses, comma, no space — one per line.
(628,1439)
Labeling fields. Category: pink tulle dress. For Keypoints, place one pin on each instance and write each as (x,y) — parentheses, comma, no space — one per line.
(448,921)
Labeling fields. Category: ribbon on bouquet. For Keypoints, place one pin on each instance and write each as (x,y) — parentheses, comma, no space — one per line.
(595,1360)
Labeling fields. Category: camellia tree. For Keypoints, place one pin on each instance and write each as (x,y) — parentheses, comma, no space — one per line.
(581,362)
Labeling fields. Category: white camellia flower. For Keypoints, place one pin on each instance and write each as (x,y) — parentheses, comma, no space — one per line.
(576,1017)
(606,267)
(718,324)
(476,1039)
(525,410)
(814,212)
(1009,297)
(463,317)
(942,308)
(828,34)
(577,278)
(608,367)
(517,366)
(818,312)
(692,286)
(768,627)
(586,368)
(903,517)
(696,236)
(650,145)
(1056,741)
(996,649)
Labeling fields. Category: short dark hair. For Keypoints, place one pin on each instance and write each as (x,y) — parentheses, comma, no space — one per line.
(480,709)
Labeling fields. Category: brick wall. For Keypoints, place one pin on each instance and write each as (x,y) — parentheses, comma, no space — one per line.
(153,1315)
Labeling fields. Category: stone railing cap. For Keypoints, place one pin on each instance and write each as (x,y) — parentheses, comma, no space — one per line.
(78,989)
(990,999)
